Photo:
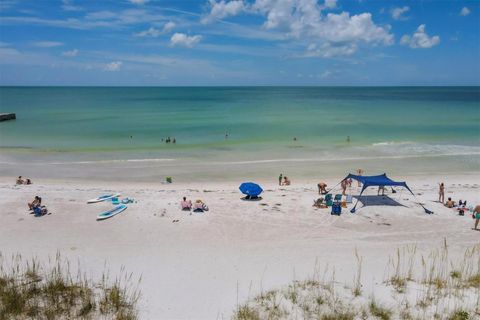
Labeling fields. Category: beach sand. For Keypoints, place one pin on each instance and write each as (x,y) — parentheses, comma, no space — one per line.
(203,265)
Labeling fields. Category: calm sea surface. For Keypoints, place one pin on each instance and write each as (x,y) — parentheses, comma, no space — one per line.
(68,124)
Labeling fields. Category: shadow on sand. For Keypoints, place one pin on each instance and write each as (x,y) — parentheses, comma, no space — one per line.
(368,201)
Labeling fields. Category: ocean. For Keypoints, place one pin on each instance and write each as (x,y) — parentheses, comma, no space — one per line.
(221,131)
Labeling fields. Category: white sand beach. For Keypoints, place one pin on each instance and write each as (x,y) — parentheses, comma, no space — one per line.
(202,266)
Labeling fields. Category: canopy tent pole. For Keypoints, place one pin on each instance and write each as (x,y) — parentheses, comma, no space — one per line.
(418,202)
(363,189)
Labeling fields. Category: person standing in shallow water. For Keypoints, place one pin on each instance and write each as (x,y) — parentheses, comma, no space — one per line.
(441,193)
(280,179)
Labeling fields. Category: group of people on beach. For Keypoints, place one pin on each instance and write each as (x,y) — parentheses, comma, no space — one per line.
(198,206)
(20,180)
(461,207)
(283,180)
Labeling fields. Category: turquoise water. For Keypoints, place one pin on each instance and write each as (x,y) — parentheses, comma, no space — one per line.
(68,124)
(69,119)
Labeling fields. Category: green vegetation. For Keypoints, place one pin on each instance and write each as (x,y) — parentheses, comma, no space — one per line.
(29,290)
(443,289)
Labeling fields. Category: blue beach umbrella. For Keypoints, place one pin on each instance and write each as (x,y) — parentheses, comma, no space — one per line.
(250,189)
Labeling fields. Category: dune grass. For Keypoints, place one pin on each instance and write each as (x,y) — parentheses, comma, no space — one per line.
(30,290)
(421,287)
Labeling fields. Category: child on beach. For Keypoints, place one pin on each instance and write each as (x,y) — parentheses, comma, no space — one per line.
(186,204)
(20,180)
(450,203)
(280,177)
(286,181)
(199,206)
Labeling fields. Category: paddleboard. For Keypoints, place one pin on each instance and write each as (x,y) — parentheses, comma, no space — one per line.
(111,213)
(103,198)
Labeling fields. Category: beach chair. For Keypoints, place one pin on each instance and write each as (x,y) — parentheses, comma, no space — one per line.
(349,198)
(338,197)
(328,200)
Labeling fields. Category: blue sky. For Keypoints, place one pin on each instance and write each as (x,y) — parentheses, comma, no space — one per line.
(240,42)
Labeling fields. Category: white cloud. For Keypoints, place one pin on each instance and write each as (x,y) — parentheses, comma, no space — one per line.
(223,9)
(420,39)
(327,50)
(139,1)
(167,27)
(333,34)
(397,13)
(113,66)
(47,44)
(330,3)
(181,39)
(68,5)
(150,32)
(70,53)
(326,74)
(153,32)
(465,11)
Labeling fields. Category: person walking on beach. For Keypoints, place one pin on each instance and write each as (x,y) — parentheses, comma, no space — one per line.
(441,193)
(280,177)
(476,215)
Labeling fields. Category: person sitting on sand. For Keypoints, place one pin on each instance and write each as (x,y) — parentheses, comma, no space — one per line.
(476,215)
(441,193)
(319,203)
(37,202)
(450,203)
(199,206)
(286,181)
(186,204)
(462,207)
(20,180)
(322,188)
(28,181)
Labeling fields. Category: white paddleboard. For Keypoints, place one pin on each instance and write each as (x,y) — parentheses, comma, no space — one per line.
(111,213)
(103,198)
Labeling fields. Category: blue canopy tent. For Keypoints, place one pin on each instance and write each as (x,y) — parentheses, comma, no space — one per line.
(381,181)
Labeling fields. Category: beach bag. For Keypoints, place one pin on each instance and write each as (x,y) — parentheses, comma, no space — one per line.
(336,209)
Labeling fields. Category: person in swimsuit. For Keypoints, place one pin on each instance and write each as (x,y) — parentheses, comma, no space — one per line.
(476,215)
(441,193)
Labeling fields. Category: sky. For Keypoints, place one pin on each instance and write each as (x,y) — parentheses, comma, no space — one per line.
(239,42)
